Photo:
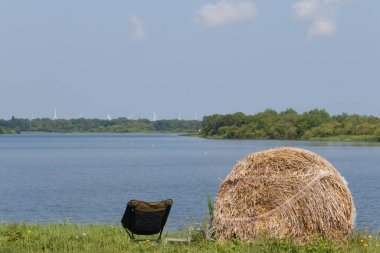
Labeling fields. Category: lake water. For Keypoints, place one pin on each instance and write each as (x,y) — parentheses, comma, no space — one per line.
(89,178)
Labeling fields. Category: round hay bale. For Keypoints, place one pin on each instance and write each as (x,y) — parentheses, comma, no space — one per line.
(283,192)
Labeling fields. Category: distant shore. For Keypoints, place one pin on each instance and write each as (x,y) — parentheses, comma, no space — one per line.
(314,125)
(82,125)
(339,138)
(9,131)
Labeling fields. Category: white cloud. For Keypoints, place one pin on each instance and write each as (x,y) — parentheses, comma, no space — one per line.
(225,12)
(138,30)
(321,13)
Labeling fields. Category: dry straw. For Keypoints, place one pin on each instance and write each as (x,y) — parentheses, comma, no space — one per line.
(283,192)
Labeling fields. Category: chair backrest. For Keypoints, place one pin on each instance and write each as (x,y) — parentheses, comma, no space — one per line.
(146,218)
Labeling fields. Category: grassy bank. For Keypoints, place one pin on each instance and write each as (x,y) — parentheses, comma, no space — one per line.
(112,238)
(8,131)
(349,138)
(339,138)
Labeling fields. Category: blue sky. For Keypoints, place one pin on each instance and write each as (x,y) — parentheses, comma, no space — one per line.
(193,58)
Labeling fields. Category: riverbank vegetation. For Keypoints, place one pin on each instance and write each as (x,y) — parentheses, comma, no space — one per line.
(8,131)
(316,124)
(120,125)
(70,237)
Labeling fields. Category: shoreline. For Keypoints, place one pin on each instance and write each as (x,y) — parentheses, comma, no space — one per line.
(340,138)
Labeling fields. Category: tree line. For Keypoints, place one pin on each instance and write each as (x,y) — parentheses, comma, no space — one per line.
(120,125)
(316,124)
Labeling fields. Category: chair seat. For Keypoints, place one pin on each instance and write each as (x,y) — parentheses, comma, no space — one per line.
(146,218)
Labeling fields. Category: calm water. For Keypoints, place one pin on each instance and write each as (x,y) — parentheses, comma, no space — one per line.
(90,177)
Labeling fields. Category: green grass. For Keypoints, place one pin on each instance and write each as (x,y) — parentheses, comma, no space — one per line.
(70,237)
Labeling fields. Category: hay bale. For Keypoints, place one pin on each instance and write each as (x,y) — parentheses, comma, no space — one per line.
(283,192)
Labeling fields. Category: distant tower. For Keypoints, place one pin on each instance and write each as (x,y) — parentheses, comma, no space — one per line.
(109,117)
(55,115)
(179,116)
(154,116)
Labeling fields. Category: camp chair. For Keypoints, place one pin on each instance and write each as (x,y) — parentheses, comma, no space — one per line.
(146,218)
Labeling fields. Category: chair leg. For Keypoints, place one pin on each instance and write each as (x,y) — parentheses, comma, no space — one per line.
(159,236)
(130,235)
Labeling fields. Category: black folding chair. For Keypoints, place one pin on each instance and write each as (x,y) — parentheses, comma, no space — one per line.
(146,218)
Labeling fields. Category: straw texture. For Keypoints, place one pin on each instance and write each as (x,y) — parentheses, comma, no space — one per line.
(283,192)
